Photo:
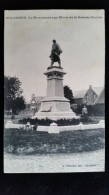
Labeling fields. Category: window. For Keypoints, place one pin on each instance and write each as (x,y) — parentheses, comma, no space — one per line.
(33,102)
(94,96)
(86,96)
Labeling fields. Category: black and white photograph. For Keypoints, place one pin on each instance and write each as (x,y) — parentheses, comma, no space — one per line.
(54,91)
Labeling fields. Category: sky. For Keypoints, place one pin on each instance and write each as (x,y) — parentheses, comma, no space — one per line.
(28,42)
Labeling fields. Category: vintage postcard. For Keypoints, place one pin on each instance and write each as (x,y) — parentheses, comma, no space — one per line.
(54,73)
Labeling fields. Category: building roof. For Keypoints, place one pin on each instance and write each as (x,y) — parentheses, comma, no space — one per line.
(81,93)
(37,98)
(97,90)
(100,98)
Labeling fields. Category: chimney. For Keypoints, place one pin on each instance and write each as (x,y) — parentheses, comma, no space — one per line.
(90,86)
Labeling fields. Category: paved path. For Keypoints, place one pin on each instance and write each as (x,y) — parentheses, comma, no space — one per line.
(85,162)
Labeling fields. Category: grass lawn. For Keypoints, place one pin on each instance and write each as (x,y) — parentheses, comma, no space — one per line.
(32,142)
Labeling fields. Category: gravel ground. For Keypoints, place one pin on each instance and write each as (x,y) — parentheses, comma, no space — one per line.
(50,163)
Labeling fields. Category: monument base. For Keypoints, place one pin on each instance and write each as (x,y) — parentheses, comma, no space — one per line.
(55,115)
(55,108)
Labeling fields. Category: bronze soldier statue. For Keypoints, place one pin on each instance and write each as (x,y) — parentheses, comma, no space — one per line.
(55,53)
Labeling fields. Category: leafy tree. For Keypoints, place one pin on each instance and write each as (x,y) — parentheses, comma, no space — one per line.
(13,99)
(68,93)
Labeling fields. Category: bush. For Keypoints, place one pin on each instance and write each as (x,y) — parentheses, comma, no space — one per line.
(60,122)
(65,122)
(13,117)
(47,122)
(87,120)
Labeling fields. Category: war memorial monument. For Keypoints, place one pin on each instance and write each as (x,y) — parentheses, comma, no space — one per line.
(55,106)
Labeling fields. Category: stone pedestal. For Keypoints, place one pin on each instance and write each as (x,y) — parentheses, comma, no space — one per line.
(55,106)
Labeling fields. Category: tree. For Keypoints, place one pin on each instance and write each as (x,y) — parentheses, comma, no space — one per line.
(68,93)
(13,99)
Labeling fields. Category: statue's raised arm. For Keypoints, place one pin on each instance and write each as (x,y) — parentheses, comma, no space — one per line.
(55,53)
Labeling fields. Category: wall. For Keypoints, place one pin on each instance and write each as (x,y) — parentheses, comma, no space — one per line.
(99,109)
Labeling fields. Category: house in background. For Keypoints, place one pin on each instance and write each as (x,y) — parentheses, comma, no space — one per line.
(99,104)
(87,97)
(35,103)
(93,97)
(33,106)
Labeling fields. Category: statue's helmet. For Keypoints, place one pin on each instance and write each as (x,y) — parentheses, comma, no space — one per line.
(54,41)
